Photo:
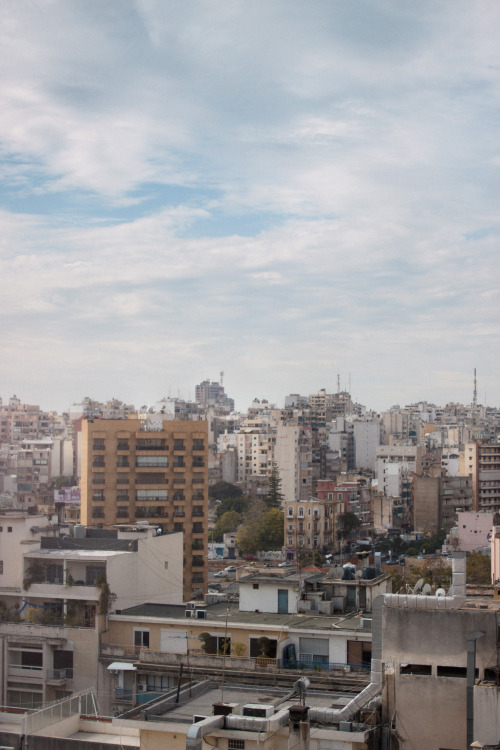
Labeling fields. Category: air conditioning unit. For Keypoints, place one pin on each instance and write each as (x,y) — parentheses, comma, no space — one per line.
(142,687)
(201,614)
(260,711)
(188,613)
(190,605)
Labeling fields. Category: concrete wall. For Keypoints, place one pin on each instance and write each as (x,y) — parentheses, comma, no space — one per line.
(430,710)
(154,574)
(265,598)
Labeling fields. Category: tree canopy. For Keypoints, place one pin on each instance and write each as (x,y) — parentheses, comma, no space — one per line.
(238,504)
(262,529)
(351,522)
(223,490)
(226,522)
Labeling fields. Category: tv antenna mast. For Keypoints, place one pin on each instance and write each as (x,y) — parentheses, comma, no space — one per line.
(221,377)
(474,398)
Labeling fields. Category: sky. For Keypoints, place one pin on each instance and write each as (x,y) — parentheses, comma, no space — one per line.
(294,193)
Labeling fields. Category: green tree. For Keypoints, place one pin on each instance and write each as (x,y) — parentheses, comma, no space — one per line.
(223,490)
(274,497)
(272,529)
(261,530)
(351,522)
(238,504)
(227,522)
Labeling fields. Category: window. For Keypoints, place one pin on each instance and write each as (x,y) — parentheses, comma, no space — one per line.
(93,573)
(98,495)
(197,561)
(420,669)
(198,444)
(141,638)
(179,462)
(198,495)
(179,495)
(122,461)
(1,567)
(197,510)
(198,462)
(98,480)
(152,494)
(197,528)
(151,461)
(98,461)
(255,585)
(122,512)
(151,444)
(453,672)
(122,444)
(289,512)
(97,512)
(178,527)
(301,512)
(178,444)
(198,478)
(98,444)
(122,496)
(121,479)
(9,528)
(159,683)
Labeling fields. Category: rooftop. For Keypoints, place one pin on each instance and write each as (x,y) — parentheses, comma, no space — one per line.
(219,611)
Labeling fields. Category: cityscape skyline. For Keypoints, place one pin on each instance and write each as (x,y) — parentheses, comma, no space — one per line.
(188,394)
(272,190)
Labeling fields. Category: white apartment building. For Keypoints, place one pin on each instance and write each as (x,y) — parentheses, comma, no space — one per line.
(366,442)
(393,463)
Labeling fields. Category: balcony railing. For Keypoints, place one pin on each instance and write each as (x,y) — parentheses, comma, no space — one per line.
(320,666)
(59,675)
(124,695)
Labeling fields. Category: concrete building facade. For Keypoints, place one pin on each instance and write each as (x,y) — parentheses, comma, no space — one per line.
(150,471)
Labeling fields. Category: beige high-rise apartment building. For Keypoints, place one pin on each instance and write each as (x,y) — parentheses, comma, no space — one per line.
(150,470)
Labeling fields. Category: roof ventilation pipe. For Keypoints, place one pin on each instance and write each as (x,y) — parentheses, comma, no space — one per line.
(196,732)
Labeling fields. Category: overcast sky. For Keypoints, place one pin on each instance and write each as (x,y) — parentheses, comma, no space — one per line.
(286,191)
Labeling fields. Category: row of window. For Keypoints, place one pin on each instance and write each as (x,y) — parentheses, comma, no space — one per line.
(301,513)
(140,461)
(150,444)
(178,494)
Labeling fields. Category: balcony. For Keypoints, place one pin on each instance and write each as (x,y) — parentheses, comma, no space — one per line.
(20,670)
(58,676)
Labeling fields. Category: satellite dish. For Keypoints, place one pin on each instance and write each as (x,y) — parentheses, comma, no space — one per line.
(336,572)
(440,592)
(427,589)
(359,574)
(418,585)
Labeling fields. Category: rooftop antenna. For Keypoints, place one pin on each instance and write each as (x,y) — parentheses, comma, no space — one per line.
(349,382)
(338,382)
(221,376)
(474,398)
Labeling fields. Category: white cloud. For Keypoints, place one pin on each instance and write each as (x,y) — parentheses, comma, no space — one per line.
(277,190)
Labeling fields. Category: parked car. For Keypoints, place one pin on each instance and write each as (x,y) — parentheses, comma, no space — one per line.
(286,564)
